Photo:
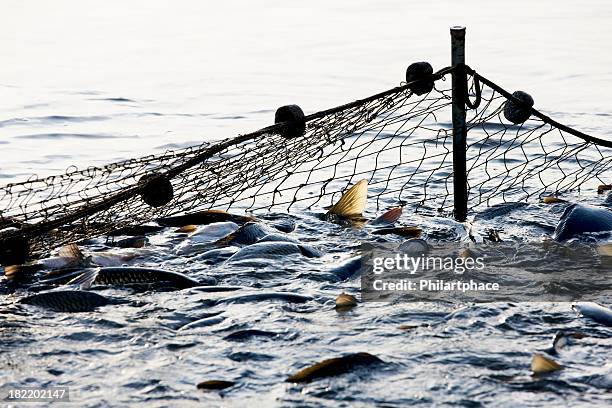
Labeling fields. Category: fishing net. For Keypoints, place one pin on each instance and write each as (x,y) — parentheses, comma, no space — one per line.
(399,140)
(529,160)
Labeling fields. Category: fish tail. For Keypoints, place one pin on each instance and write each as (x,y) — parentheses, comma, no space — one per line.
(353,202)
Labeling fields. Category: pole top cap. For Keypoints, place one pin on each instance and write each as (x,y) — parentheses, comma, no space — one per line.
(458,31)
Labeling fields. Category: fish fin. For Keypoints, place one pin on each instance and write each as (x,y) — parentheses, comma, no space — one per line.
(553,200)
(86,279)
(388,218)
(187,229)
(559,342)
(12,271)
(353,202)
(345,301)
(72,251)
(605,249)
(216,211)
(541,364)
(310,252)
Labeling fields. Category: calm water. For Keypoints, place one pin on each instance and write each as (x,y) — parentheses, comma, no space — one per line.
(88,83)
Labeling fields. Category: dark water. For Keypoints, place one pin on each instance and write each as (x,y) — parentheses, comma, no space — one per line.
(99,83)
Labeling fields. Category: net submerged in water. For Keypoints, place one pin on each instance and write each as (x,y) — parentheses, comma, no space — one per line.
(400,140)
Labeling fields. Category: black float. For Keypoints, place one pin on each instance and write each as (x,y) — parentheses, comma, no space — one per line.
(416,71)
(518,113)
(157,190)
(294,117)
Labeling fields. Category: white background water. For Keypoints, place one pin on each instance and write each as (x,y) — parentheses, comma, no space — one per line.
(86,82)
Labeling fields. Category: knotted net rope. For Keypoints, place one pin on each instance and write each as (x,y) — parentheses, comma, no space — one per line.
(398,140)
(529,160)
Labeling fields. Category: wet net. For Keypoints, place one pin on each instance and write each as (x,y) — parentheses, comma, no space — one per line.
(400,140)
(529,160)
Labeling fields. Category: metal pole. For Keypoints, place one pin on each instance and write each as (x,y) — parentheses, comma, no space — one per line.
(460,186)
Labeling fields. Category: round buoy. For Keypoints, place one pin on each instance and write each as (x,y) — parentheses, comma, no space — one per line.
(516,113)
(157,190)
(416,71)
(294,117)
(14,250)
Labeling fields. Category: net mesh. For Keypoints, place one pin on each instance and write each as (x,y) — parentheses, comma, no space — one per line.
(527,161)
(399,141)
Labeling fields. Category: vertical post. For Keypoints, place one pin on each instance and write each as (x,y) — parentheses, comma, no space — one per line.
(459,83)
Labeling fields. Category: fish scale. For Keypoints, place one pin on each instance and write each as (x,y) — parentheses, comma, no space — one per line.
(112,276)
(67,300)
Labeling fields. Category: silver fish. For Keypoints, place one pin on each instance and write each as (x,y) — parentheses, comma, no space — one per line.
(129,275)
(204,237)
(67,300)
(258,297)
(248,234)
(272,250)
(334,366)
(597,313)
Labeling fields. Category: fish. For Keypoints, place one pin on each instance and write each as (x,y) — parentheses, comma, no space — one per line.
(216,255)
(22,273)
(578,219)
(388,218)
(204,238)
(213,232)
(247,234)
(498,210)
(131,275)
(406,232)
(278,238)
(215,288)
(541,364)
(137,230)
(207,321)
(345,302)
(67,300)
(603,187)
(249,333)
(595,312)
(273,250)
(69,256)
(187,229)
(202,218)
(347,269)
(262,296)
(414,247)
(112,258)
(563,339)
(351,206)
(280,221)
(139,241)
(333,367)
(352,203)
(553,200)
(285,224)
(215,385)
(605,249)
